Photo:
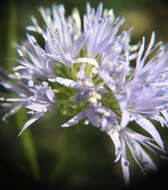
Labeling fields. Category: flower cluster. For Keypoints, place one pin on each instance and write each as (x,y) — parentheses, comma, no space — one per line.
(97,76)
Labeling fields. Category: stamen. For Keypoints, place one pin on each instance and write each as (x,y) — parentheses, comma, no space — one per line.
(86,122)
(94,70)
(92,100)
(163,76)
(2,99)
(30,83)
(88,83)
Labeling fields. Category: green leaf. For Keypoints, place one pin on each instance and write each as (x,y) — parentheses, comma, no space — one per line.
(27,141)
(71,110)
(11,34)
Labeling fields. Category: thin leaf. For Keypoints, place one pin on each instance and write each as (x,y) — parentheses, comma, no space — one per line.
(28,145)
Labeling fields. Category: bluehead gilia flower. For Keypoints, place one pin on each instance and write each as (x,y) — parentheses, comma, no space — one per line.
(89,74)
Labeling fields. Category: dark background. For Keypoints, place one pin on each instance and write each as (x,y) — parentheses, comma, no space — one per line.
(80,157)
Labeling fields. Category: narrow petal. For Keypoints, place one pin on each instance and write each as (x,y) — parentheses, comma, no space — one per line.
(74,120)
(50,95)
(12,111)
(93,117)
(139,56)
(160,119)
(81,74)
(37,107)
(145,159)
(108,80)
(99,10)
(78,45)
(138,137)
(86,60)
(151,43)
(149,127)
(63,81)
(125,119)
(29,122)
(165,114)
(115,138)
(132,147)
(125,170)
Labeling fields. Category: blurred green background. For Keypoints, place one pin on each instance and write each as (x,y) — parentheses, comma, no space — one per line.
(80,157)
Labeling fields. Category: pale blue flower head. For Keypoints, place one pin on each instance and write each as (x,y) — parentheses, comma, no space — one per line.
(90,74)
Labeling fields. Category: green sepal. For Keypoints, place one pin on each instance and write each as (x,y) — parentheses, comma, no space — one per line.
(111,101)
(71,109)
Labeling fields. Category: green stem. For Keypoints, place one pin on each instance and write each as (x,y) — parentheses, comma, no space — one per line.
(11,34)
(65,156)
(27,141)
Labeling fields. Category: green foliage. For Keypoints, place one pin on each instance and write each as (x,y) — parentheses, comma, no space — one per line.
(110,101)
(28,144)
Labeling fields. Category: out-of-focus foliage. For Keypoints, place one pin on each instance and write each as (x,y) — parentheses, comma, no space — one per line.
(81,156)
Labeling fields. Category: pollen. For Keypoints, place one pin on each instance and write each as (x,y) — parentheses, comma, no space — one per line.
(162,76)
(86,122)
(88,83)
(92,100)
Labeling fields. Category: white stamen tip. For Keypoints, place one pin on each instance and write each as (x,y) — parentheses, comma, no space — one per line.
(93,100)
(88,83)
(86,122)
(30,83)
(94,70)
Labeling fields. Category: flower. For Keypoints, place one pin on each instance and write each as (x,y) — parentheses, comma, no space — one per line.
(90,74)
